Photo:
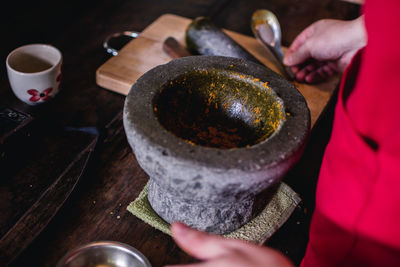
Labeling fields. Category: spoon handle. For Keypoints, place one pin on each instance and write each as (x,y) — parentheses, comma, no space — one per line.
(287,70)
(289,73)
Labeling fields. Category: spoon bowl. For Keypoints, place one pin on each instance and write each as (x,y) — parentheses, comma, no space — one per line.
(266,29)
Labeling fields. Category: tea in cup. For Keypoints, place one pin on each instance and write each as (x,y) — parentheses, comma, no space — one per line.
(34,72)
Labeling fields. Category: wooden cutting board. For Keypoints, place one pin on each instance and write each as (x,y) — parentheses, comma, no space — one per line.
(119,73)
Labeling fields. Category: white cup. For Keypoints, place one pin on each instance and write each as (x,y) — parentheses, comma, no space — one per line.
(34,72)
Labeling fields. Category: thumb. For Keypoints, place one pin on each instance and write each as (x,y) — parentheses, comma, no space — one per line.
(298,51)
(199,244)
(295,57)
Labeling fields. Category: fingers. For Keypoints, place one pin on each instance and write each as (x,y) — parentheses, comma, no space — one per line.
(219,262)
(328,69)
(199,244)
(218,251)
(314,77)
(189,265)
(326,40)
(304,71)
(314,71)
(295,69)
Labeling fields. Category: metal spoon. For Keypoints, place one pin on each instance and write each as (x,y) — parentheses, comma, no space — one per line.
(266,29)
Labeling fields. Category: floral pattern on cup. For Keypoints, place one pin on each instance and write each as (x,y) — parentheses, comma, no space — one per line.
(45,95)
(34,72)
(36,95)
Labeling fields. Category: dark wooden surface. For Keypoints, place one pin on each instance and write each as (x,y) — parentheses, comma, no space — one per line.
(96,209)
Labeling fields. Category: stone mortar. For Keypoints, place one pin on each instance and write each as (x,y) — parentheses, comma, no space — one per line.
(207,187)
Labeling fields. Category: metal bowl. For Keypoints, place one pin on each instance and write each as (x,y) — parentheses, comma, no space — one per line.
(105,254)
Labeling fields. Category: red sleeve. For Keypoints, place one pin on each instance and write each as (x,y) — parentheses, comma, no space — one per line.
(357,216)
(375,101)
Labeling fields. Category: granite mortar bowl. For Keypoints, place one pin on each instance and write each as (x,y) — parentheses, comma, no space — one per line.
(212,132)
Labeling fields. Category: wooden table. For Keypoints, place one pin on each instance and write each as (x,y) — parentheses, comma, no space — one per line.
(96,209)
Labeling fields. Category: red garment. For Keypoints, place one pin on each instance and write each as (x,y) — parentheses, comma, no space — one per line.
(357,217)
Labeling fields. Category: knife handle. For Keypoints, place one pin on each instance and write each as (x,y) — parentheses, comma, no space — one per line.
(174,49)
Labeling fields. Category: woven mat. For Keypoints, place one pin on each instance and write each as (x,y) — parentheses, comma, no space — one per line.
(258,230)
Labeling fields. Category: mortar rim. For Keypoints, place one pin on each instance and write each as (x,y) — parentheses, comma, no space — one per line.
(294,130)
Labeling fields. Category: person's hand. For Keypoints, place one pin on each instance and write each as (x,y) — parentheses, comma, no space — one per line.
(215,250)
(324,48)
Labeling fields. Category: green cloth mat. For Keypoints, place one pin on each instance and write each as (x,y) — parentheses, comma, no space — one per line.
(258,230)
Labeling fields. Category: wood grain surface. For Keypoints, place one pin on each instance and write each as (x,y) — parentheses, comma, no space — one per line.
(27,227)
(96,209)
